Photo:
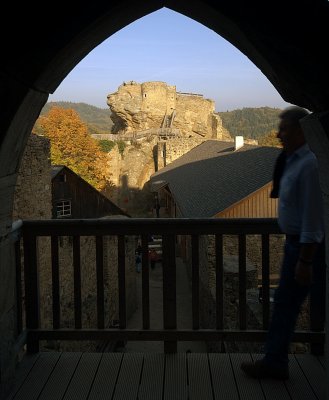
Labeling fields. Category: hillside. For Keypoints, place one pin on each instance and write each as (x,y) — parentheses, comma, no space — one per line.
(98,119)
(252,123)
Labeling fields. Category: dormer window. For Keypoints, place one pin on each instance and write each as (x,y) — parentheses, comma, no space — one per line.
(62,177)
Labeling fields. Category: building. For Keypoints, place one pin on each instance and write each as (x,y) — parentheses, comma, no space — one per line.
(218,180)
(73,197)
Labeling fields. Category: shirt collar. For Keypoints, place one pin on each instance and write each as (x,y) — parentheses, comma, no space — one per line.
(300,152)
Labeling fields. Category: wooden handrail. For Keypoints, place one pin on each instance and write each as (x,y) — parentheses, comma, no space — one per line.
(169,229)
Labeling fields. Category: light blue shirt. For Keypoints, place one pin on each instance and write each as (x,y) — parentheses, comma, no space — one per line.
(300,197)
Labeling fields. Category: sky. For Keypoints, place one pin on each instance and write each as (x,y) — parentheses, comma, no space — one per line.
(169,47)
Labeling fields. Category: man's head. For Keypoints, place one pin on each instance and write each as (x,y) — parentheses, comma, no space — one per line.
(290,132)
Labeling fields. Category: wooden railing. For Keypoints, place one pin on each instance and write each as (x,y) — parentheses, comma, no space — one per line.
(169,230)
(163,132)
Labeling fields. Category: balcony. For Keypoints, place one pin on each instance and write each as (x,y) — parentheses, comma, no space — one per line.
(169,374)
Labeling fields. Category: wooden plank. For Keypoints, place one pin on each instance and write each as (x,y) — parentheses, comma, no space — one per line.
(55,282)
(273,389)
(266,279)
(18,268)
(222,377)
(104,384)
(314,372)
(175,385)
(77,282)
(248,388)
(100,281)
(83,377)
(219,282)
(155,334)
(128,381)
(151,386)
(199,377)
(158,226)
(322,360)
(195,282)
(169,289)
(32,306)
(22,372)
(61,376)
(37,377)
(297,385)
(122,281)
(242,282)
(145,283)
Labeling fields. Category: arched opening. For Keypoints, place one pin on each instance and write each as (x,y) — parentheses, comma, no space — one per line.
(291,58)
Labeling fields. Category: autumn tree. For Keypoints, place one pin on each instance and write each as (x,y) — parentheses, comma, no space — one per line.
(270,140)
(72,146)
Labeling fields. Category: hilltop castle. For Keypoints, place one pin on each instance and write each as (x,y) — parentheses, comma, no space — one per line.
(152,105)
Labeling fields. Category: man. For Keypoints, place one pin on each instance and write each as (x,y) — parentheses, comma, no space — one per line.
(300,217)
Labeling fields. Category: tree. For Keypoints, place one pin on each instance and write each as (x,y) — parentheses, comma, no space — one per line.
(270,140)
(106,145)
(71,145)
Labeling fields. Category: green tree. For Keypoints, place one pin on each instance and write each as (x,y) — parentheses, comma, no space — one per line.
(106,145)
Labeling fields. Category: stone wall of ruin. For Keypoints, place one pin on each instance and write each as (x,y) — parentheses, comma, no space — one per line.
(33,200)
(139,107)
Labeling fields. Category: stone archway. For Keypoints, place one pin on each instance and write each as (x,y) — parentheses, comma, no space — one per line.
(287,42)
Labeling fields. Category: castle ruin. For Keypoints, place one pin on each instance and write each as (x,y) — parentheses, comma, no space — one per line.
(147,106)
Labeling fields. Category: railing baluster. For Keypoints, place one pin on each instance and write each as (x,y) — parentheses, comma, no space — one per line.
(266,279)
(169,289)
(122,281)
(100,281)
(145,283)
(242,282)
(77,282)
(219,282)
(121,228)
(18,266)
(31,278)
(55,281)
(195,282)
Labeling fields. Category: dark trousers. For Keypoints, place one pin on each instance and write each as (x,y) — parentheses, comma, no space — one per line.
(288,299)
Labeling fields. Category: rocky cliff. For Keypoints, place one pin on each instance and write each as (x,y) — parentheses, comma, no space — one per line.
(153,105)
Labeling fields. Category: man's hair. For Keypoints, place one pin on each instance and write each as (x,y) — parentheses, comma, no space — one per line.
(293,114)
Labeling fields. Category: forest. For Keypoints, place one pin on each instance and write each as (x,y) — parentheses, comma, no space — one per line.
(252,123)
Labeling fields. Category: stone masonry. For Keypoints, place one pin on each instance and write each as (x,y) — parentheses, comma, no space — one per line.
(139,107)
(33,201)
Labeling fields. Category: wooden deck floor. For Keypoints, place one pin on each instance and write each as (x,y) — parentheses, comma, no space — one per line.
(125,376)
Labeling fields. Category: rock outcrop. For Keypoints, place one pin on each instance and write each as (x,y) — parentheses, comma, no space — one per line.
(153,105)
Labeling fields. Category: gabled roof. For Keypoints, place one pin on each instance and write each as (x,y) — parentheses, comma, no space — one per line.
(214,176)
(56,169)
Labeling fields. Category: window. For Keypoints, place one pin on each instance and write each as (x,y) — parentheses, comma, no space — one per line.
(62,177)
(63,208)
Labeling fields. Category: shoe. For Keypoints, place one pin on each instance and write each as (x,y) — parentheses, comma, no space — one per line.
(261,370)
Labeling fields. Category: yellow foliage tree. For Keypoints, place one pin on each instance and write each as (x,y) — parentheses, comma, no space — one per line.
(72,146)
(270,140)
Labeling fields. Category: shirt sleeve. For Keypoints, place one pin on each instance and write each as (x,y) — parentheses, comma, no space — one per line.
(311,204)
